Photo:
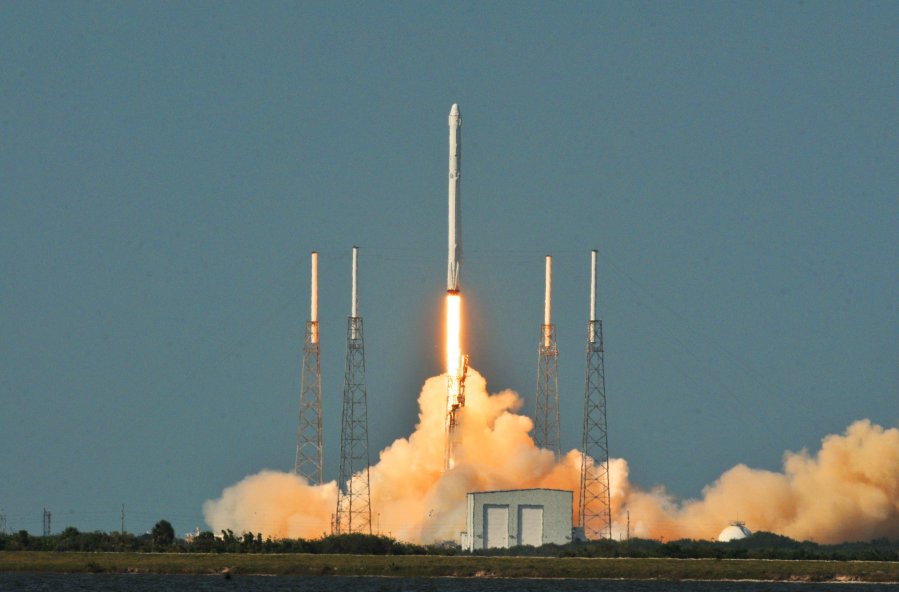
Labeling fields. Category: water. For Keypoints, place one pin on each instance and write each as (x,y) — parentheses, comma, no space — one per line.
(15,582)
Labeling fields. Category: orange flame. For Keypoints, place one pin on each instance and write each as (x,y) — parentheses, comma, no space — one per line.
(453,344)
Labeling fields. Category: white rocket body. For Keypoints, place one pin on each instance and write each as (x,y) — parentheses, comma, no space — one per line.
(454,263)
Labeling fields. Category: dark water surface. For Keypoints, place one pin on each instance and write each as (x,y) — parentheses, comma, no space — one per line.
(14,582)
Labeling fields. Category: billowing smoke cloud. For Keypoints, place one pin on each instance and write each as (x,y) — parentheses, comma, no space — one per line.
(848,491)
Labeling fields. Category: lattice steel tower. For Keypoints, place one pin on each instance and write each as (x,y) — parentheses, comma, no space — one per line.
(546,410)
(308,461)
(353,494)
(595,497)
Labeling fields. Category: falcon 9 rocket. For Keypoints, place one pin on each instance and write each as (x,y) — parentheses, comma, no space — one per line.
(456,363)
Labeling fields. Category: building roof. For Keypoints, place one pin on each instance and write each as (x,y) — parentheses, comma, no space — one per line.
(519,490)
(734,532)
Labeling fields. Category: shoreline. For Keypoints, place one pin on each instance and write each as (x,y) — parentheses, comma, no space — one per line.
(233,564)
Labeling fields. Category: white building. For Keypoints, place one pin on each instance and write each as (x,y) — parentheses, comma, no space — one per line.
(502,519)
(735,532)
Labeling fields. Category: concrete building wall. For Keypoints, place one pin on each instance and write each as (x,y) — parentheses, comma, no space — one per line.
(526,512)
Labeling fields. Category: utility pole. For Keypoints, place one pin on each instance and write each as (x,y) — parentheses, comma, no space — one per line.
(596,503)
(546,410)
(353,488)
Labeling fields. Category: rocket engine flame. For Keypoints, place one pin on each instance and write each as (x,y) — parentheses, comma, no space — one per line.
(847,490)
(456,370)
(453,344)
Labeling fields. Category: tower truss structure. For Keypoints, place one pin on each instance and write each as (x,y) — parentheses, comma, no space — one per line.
(309,428)
(595,494)
(354,491)
(546,411)
(309,454)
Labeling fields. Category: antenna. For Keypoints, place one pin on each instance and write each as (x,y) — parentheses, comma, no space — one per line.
(47,528)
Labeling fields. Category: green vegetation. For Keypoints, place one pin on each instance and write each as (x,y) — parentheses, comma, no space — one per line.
(763,556)
(761,545)
(163,534)
(443,565)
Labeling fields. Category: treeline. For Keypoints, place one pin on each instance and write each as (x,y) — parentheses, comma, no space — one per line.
(761,545)
(162,540)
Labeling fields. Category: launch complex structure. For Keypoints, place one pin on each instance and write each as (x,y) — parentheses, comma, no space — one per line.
(354,512)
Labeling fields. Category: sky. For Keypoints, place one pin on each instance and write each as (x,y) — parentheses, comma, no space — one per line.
(166,168)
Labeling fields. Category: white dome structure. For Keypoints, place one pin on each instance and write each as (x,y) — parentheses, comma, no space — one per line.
(734,532)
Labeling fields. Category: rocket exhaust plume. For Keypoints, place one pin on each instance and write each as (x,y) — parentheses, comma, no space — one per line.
(456,373)
(848,490)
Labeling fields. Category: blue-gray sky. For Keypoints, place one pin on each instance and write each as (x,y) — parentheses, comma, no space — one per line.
(166,168)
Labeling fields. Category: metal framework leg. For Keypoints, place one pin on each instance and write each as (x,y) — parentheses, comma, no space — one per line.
(308,461)
(354,495)
(595,498)
(546,409)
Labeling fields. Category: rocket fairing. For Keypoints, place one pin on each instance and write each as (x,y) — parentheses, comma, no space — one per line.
(454,262)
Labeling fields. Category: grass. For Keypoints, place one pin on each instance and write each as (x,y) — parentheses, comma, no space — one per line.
(452,566)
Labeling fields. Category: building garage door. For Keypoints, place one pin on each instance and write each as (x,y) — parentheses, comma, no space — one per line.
(530,525)
(496,526)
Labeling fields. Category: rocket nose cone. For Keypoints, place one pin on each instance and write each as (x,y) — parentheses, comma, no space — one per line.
(455,109)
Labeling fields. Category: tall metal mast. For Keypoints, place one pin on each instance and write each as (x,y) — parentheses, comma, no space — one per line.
(546,411)
(308,461)
(353,493)
(47,516)
(595,498)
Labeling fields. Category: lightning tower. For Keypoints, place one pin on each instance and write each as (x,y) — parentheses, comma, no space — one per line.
(546,411)
(595,497)
(308,461)
(353,493)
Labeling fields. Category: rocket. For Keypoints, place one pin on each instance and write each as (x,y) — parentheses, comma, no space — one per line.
(454,262)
